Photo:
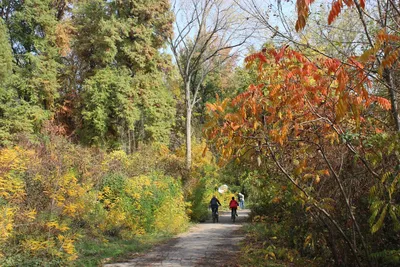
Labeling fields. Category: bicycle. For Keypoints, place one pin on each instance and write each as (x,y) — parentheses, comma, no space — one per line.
(214,215)
(233,214)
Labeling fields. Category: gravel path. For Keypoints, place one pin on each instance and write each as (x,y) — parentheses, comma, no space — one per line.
(205,244)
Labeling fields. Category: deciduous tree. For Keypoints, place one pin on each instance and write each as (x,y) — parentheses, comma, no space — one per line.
(307,110)
(207,32)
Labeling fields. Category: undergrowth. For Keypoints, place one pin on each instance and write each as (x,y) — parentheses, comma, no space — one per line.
(62,204)
(265,245)
(95,252)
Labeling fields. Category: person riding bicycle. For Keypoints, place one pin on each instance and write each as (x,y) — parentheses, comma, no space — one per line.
(214,203)
(233,206)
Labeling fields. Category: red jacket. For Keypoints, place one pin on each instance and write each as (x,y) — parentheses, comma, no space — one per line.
(233,204)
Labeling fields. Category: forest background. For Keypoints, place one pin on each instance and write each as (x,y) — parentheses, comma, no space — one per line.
(119,120)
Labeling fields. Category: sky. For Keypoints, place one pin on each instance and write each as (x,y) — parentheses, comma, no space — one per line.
(259,38)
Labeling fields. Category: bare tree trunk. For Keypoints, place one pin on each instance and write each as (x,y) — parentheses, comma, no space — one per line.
(188,128)
(388,76)
(129,142)
(207,31)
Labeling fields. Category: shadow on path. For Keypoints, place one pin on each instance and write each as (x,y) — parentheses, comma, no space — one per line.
(225,217)
(205,244)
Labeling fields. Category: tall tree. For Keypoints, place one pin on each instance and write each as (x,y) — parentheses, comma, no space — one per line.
(5,73)
(5,54)
(32,91)
(33,35)
(207,34)
(128,37)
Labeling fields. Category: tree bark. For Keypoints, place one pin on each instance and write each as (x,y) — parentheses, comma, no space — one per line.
(388,76)
(188,127)
(207,31)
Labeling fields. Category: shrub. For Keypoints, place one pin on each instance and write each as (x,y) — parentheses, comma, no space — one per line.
(55,193)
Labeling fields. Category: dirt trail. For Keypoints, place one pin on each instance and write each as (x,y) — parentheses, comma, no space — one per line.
(205,244)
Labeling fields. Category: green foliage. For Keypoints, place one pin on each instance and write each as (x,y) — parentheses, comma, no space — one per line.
(281,232)
(118,44)
(5,55)
(387,257)
(33,32)
(200,198)
(141,205)
(383,194)
(98,34)
(157,108)
(109,102)
(267,245)
(19,117)
(95,253)
(92,67)
(55,194)
(12,114)
(381,198)
(203,182)
(128,33)
(28,88)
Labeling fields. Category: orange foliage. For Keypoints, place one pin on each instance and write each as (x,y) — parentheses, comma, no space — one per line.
(295,99)
(303,8)
(387,43)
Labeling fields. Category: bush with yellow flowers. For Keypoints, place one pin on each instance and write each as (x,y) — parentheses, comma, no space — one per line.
(54,194)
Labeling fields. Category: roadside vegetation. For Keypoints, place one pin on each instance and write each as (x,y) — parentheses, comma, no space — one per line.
(119,120)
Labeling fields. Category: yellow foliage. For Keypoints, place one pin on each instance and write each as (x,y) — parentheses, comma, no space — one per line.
(12,162)
(67,186)
(200,156)
(30,215)
(66,192)
(36,245)
(115,158)
(14,159)
(6,223)
(70,209)
(63,227)
(171,218)
(67,244)
(136,185)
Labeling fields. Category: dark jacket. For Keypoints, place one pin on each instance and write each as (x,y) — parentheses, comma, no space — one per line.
(215,202)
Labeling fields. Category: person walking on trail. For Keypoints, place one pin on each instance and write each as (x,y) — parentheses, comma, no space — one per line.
(233,206)
(241,200)
(214,203)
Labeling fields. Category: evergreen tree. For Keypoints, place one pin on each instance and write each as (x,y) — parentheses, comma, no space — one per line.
(109,104)
(5,55)
(93,67)
(125,37)
(33,27)
(29,96)
(16,114)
